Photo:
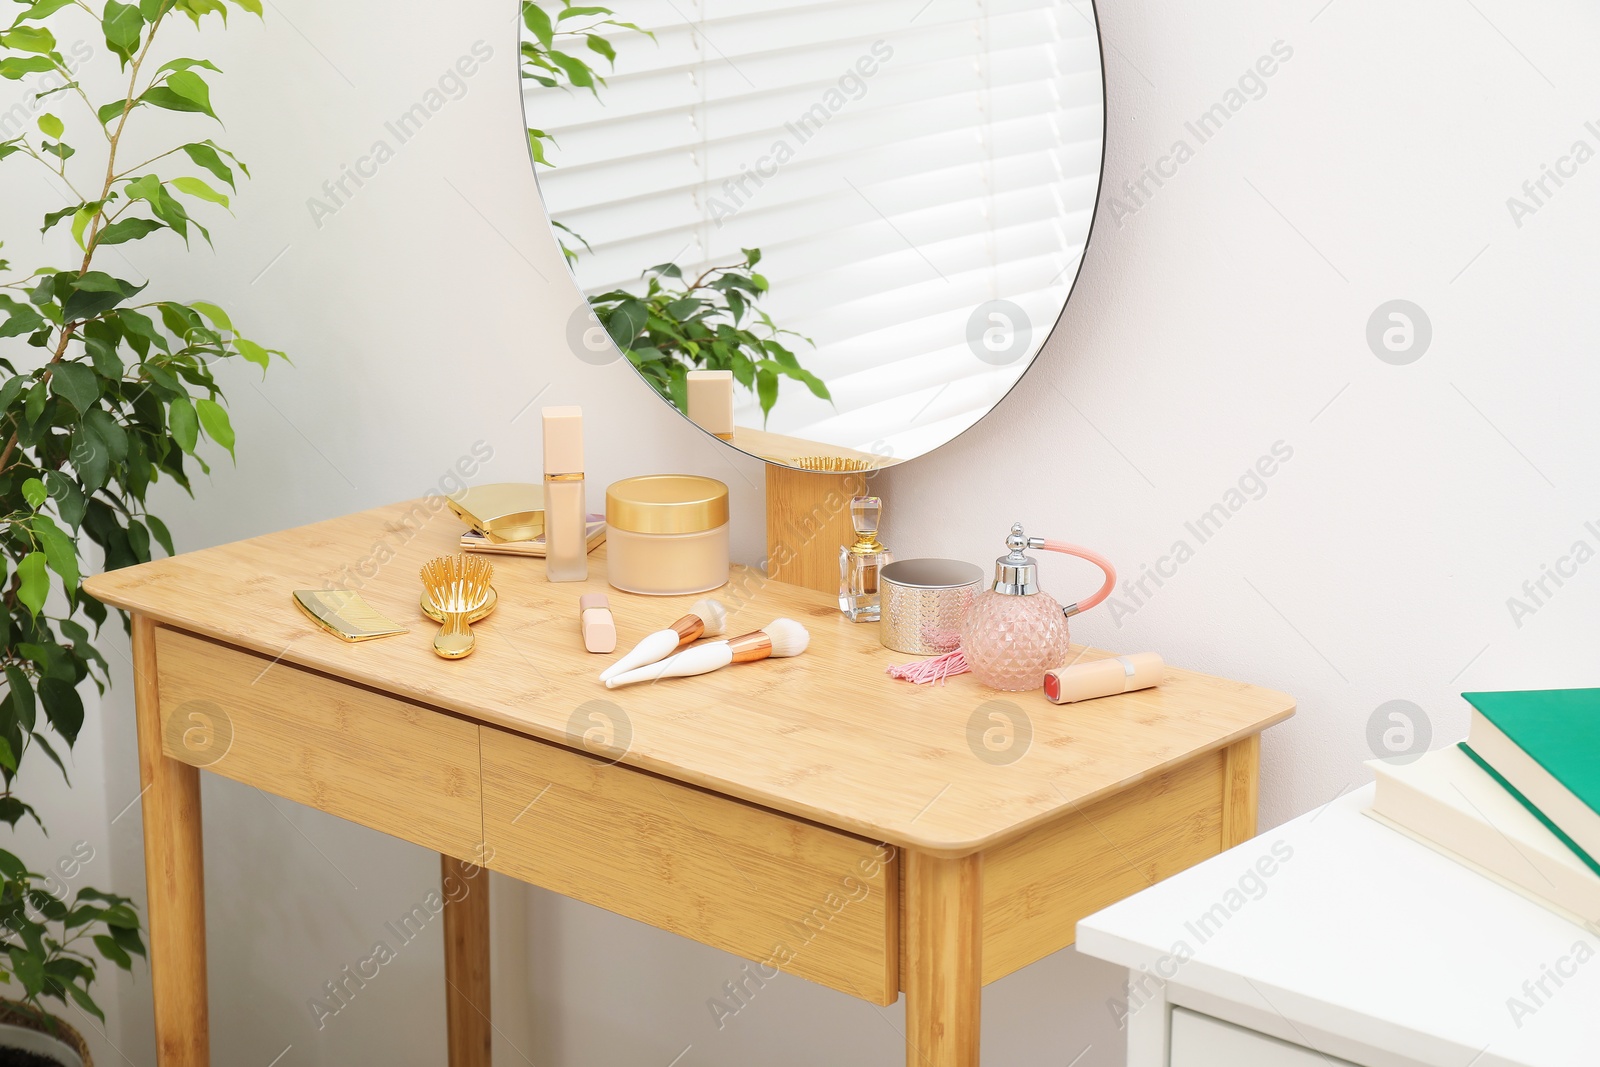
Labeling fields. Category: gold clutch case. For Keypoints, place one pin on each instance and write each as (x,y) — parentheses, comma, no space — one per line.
(345,615)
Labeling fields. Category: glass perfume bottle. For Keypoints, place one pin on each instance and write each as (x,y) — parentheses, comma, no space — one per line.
(1016,632)
(860,563)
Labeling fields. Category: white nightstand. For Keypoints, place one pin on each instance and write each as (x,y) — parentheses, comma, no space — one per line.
(1332,941)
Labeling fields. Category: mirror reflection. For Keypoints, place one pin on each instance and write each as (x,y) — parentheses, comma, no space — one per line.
(830,233)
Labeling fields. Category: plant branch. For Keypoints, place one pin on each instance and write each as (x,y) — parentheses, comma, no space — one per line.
(69,329)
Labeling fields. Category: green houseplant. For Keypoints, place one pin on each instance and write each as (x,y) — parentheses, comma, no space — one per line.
(107,391)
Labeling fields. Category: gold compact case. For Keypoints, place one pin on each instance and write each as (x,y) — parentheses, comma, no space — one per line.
(502,511)
(667,534)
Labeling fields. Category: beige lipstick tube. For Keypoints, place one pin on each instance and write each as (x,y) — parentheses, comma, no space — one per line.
(599,628)
(1104,677)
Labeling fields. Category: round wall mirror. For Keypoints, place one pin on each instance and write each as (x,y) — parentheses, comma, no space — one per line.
(833,234)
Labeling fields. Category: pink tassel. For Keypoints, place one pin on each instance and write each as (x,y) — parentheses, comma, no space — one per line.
(932,670)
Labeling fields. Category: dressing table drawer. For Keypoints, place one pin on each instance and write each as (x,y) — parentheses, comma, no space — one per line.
(782,892)
(385,763)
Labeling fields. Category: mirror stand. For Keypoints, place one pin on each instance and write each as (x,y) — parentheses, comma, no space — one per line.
(808,521)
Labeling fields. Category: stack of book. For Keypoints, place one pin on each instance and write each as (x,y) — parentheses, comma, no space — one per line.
(1517,801)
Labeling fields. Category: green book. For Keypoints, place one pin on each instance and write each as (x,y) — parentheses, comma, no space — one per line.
(1543,746)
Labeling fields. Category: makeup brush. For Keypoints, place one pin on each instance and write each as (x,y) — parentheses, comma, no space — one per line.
(781,638)
(706,618)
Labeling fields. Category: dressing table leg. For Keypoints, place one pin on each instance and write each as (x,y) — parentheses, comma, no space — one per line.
(944,960)
(174,875)
(466,962)
(1241,790)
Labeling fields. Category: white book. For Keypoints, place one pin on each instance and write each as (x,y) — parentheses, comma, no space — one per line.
(1449,803)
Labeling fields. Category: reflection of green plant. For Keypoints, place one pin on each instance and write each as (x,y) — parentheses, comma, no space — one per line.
(554,67)
(551,66)
(102,398)
(668,332)
(43,940)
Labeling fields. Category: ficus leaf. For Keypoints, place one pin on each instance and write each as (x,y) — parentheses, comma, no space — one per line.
(602,46)
(165,98)
(538,22)
(125,230)
(68,497)
(62,706)
(199,189)
(59,551)
(51,126)
(214,417)
(21,693)
(33,491)
(19,320)
(80,222)
(95,293)
(112,951)
(218,317)
(185,426)
(122,25)
(191,87)
(76,384)
(185,64)
(35,582)
(205,155)
(82,999)
(29,39)
(159,529)
(577,71)
(42,9)
(252,352)
(139,540)
(14,68)
(53,217)
(108,432)
(33,407)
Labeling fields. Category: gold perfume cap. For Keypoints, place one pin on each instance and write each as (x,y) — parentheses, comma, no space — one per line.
(865,514)
(667,504)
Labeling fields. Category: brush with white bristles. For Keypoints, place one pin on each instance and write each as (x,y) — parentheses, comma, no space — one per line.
(706,618)
(781,638)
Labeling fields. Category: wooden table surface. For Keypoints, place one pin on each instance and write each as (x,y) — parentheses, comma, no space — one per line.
(826,736)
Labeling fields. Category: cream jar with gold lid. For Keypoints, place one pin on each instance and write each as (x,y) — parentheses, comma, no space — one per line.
(667,534)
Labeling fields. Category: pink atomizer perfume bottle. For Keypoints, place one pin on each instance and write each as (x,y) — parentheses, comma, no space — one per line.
(1015,631)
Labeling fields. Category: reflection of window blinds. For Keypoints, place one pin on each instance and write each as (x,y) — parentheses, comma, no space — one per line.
(887,207)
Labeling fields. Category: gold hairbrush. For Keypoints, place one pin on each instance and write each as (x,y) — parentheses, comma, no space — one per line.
(832,464)
(458,586)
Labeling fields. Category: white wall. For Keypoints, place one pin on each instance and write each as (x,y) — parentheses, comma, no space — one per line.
(1226,313)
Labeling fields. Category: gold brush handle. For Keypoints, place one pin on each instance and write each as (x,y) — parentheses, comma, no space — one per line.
(455,636)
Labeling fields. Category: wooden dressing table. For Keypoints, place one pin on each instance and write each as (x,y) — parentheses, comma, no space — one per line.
(809,814)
